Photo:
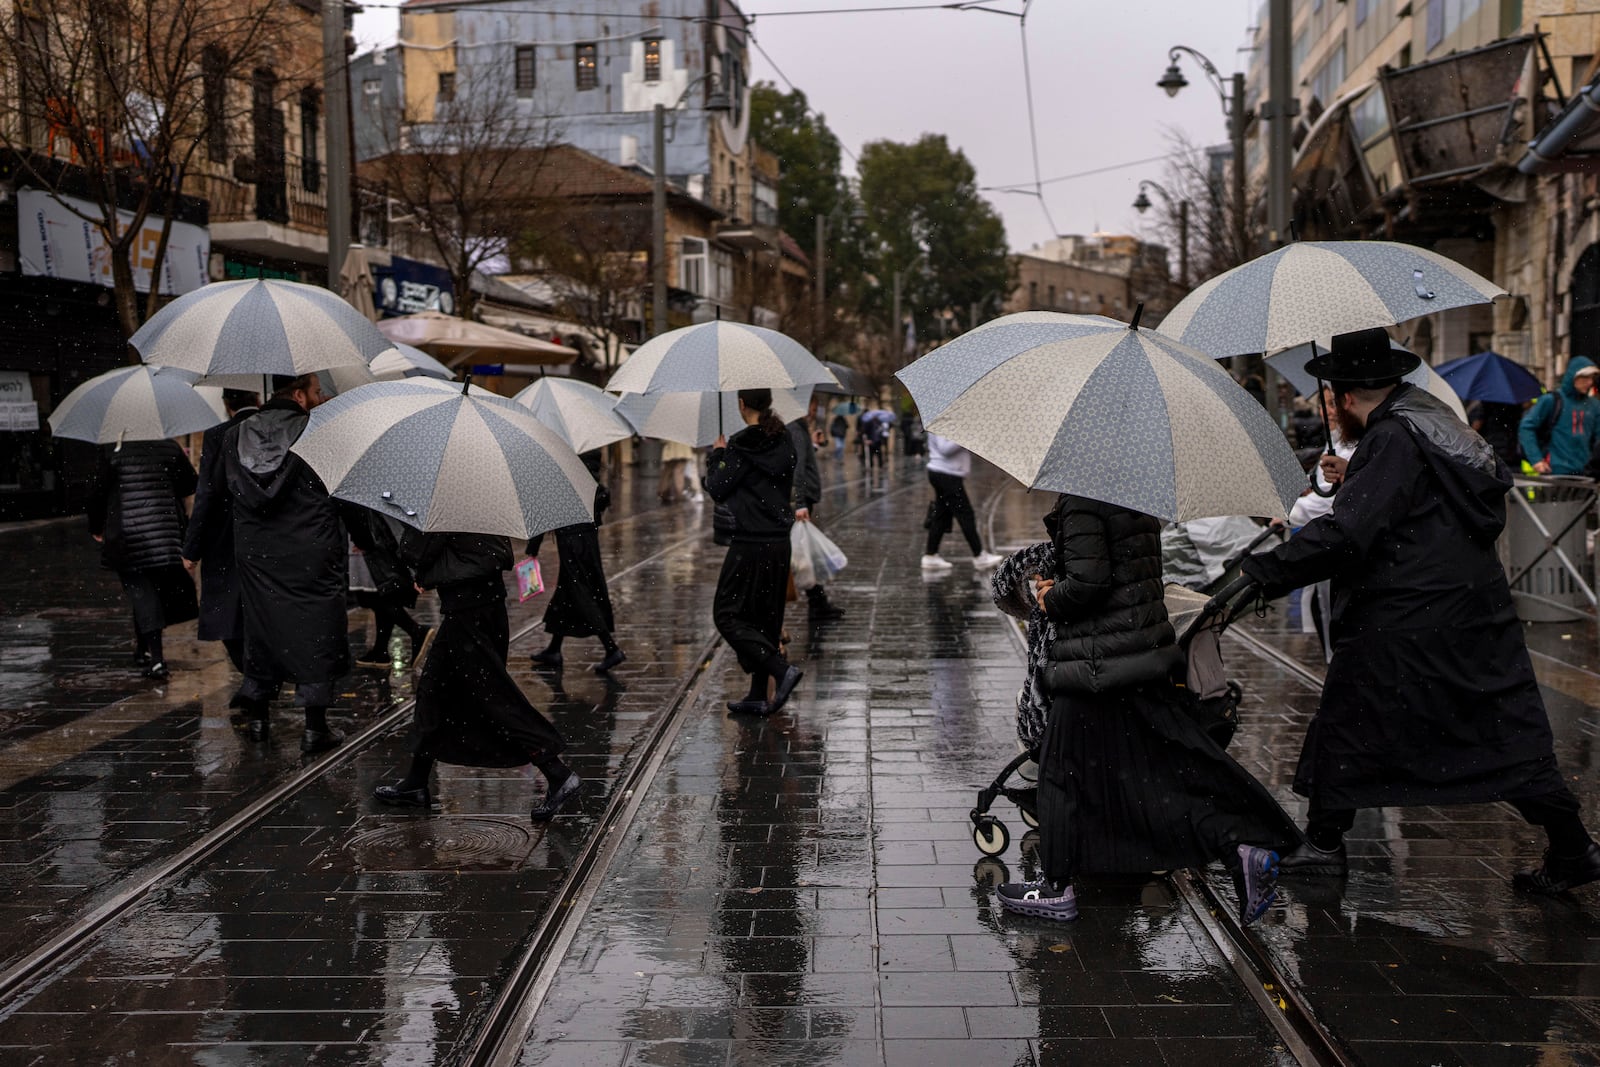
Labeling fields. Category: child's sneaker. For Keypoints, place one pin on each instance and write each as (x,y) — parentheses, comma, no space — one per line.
(1256,879)
(1040,899)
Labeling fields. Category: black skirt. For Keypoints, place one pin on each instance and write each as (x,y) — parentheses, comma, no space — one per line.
(581,605)
(1129,783)
(469,710)
(748,606)
(160,597)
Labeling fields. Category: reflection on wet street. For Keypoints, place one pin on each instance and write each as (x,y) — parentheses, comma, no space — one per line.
(800,890)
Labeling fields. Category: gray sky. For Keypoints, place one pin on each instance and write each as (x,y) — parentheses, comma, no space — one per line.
(1095,63)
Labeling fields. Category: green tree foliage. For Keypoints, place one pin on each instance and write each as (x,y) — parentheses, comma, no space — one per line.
(808,155)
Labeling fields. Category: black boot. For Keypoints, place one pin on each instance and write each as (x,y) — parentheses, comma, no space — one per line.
(820,608)
(1557,874)
(1310,861)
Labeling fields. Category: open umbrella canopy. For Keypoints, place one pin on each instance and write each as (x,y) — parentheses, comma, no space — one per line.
(1490,377)
(716,357)
(446,460)
(583,415)
(401,361)
(133,404)
(1291,363)
(459,340)
(1315,289)
(851,381)
(230,331)
(698,419)
(1084,405)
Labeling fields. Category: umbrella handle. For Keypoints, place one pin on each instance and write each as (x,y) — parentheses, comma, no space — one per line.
(1327,437)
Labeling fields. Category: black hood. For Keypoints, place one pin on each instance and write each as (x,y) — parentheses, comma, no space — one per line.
(1475,479)
(763,451)
(263,449)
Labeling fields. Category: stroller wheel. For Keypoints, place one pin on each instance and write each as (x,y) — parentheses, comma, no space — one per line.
(1029,819)
(990,873)
(990,835)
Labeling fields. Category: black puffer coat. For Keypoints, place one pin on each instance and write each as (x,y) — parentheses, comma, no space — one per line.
(136,504)
(1111,628)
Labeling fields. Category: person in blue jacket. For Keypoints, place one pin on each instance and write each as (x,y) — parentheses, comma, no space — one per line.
(1560,431)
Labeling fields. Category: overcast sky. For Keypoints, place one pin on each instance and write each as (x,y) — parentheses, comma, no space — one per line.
(1095,62)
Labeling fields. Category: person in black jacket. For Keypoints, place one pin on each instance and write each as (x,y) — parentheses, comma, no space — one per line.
(807,491)
(469,710)
(1128,781)
(581,604)
(137,513)
(390,592)
(210,537)
(753,474)
(293,558)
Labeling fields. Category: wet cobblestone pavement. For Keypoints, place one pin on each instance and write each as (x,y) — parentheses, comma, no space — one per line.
(800,890)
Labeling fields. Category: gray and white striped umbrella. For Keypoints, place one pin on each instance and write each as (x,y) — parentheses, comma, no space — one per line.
(445,460)
(1315,289)
(1291,363)
(694,419)
(401,361)
(133,404)
(584,416)
(1088,406)
(716,357)
(255,327)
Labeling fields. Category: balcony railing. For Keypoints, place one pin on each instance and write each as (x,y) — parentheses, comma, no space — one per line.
(290,189)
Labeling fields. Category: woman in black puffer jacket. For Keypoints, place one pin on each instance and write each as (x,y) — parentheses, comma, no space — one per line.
(137,513)
(1128,782)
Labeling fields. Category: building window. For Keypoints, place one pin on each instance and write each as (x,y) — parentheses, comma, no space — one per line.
(310,163)
(1033,295)
(1326,81)
(447,86)
(1071,301)
(1445,17)
(692,266)
(1050,295)
(214,85)
(371,93)
(1363,9)
(587,72)
(525,72)
(652,59)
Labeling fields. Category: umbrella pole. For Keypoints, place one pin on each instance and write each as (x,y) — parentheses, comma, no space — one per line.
(1327,437)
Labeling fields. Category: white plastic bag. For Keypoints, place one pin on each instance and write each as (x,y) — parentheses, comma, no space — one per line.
(813,558)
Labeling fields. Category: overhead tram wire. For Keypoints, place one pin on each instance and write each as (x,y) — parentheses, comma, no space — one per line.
(1033,125)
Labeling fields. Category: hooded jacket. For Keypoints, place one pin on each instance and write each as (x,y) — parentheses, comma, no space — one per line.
(1570,421)
(1430,695)
(136,504)
(754,477)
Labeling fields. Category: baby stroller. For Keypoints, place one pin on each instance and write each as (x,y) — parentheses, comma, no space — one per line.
(1212,697)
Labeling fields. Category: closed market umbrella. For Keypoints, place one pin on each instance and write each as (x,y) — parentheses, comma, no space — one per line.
(698,419)
(356,284)
(1315,289)
(133,404)
(1490,377)
(717,357)
(442,459)
(1291,363)
(228,332)
(584,416)
(1084,405)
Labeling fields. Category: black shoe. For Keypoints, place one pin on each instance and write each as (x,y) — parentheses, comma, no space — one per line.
(157,671)
(547,658)
(821,609)
(613,659)
(555,799)
(786,684)
(1557,874)
(374,657)
(314,741)
(260,730)
(402,797)
(141,659)
(747,707)
(1309,861)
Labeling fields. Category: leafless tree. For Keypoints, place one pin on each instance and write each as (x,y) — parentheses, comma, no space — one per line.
(110,101)
(1213,245)
(464,168)
(592,255)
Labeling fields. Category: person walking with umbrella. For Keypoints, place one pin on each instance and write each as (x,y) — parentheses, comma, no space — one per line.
(137,512)
(581,604)
(753,474)
(1430,697)
(210,537)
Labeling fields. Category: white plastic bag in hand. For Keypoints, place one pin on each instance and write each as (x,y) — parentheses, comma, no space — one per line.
(826,559)
(800,557)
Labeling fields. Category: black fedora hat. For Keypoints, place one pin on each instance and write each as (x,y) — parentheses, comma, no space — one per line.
(1364,357)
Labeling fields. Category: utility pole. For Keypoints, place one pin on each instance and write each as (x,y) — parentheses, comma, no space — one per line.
(336,118)
(821,284)
(1236,121)
(1283,106)
(658,239)
(897,337)
(1183,244)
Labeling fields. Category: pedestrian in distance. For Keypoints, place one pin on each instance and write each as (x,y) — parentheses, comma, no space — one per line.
(469,711)
(948,467)
(581,603)
(1129,782)
(874,427)
(838,429)
(753,474)
(1559,432)
(209,540)
(137,512)
(1430,697)
(675,460)
(381,583)
(293,559)
(807,491)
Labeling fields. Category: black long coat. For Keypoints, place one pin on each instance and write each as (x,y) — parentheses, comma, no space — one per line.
(210,540)
(291,552)
(1430,696)
(136,504)
(581,603)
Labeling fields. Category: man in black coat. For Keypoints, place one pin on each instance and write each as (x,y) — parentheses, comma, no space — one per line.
(210,536)
(292,557)
(1430,696)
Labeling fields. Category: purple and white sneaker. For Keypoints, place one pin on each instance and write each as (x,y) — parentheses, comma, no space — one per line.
(1257,881)
(1040,899)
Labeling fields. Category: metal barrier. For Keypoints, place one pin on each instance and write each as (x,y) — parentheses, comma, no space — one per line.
(1545,549)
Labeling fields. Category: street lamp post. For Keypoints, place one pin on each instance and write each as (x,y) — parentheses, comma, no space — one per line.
(716,101)
(1142,204)
(1232,94)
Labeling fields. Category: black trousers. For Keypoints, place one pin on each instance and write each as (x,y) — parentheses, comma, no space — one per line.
(950,505)
(1555,812)
(748,607)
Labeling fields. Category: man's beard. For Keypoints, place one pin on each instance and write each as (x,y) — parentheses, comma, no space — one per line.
(1349,427)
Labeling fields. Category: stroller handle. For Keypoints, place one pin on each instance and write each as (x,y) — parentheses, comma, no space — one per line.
(1219,604)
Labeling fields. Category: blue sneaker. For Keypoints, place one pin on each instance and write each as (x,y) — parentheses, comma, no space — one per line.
(1256,880)
(1040,899)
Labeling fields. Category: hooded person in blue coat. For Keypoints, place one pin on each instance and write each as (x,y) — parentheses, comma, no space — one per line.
(1560,431)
